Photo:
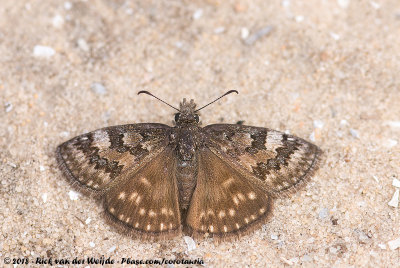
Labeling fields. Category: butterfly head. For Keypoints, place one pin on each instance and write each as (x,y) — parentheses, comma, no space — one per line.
(187,114)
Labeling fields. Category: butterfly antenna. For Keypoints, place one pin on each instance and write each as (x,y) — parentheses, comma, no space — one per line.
(148,93)
(227,93)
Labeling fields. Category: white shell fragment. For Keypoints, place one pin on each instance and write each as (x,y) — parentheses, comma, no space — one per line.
(395,199)
(43,51)
(396,183)
(394,244)
(73,195)
(191,245)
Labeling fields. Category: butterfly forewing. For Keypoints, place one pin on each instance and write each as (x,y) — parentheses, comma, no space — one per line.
(97,160)
(147,203)
(281,161)
(225,203)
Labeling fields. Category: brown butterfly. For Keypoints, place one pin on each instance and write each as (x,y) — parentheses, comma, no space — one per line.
(157,181)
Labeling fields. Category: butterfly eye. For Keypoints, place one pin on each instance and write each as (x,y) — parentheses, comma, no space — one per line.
(177,117)
(196,117)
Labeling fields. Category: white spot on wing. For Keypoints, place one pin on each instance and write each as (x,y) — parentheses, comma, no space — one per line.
(232,212)
(252,195)
(145,181)
(121,195)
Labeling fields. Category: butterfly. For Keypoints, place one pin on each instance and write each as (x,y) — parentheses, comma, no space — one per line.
(157,182)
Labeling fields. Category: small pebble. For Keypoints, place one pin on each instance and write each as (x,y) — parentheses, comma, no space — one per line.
(42,168)
(390,143)
(318,124)
(88,220)
(396,183)
(299,18)
(197,14)
(375,4)
(344,122)
(67,5)
(354,133)
(58,21)
(343,3)
(44,197)
(382,246)
(394,244)
(99,88)
(394,124)
(244,33)
(274,237)
(91,244)
(8,106)
(83,45)
(73,195)
(257,35)
(323,213)
(394,202)
(111,249)
(219,30)
(191,245)
(43,51)
(335,36)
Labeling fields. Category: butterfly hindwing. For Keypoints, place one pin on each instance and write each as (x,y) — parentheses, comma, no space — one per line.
(147,203)
(95,161)
(281,161)
(225,203)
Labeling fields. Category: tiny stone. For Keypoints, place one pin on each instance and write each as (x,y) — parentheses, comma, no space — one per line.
(318,124)
(8,106)
(244,33)
(44,197)
(335,36)
(394,124)
(43,51)
(41,168)
(257,35)
(91,244)
(197,14)
(323,213)
(299,18)
(382,246)
(390,143)
(354,133)
(312,136)
(396,183)
(375,5)
(111,249)
(343,3)
(73,195)
(83,45)
(98,88)
(67,5)
(57,21)
(88,220)
(343,122)
(191,245)
(394,244)
(219,30)
(394,202)
(274,237)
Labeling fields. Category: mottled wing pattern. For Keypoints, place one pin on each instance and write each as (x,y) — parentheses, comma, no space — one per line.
(96,161)
(281,161)
(226,204)
(147,203)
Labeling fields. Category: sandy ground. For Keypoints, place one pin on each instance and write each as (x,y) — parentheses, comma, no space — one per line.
(327,71)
